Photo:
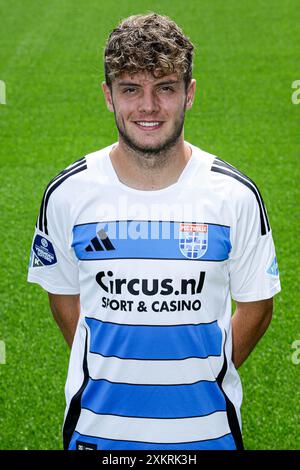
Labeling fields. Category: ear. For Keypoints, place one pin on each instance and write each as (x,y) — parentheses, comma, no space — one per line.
(190,94)
(108,97)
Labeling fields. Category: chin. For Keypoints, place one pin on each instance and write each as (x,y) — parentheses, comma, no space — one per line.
(151,148)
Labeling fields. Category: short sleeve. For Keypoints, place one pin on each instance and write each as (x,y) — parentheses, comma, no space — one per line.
(253,267)
(53,264)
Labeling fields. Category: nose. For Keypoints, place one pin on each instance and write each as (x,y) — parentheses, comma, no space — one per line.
(148,103)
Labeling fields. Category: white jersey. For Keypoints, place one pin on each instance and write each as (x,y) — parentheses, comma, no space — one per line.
(150,366)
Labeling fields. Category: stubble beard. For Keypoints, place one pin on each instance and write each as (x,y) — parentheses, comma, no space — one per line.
(152,157)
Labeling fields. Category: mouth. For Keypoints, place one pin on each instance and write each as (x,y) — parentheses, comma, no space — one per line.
(148,125)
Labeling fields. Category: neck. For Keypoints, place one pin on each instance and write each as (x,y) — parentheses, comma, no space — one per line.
(149,171)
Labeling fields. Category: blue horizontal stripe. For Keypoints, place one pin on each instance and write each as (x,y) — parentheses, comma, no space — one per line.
(152,240)
(154,342)
(221,443)
(153,401)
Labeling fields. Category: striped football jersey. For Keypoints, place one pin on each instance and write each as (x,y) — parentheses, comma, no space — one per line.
(151,362)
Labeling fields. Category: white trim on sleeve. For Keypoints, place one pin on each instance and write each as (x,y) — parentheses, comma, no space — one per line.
(49,287)
(255,296)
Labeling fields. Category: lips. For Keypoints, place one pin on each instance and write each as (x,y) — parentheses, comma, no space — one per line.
(149,125)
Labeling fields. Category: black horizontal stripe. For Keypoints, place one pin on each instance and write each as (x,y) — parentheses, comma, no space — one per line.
(160,360)
(151,360)
(153,259)
(151,417)
(146,442)
(152,220)
(153,385)
(252,188)
(158,326)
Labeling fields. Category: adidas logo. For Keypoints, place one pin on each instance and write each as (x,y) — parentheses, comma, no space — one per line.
(100,244)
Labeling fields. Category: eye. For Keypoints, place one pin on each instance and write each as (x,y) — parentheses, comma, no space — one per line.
(166,89)
(129,91)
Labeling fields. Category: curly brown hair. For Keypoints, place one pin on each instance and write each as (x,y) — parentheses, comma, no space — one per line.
(152,43)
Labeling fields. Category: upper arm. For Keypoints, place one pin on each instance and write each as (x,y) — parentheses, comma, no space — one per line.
(66,311)
(253,270)
(257,312)
(53,263)
(64,303)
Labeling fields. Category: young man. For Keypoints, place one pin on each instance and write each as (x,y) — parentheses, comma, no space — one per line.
(141,246)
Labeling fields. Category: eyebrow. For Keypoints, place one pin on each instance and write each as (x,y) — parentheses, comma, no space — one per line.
(168,82)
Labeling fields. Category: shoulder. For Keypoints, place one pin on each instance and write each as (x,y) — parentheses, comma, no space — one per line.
(231,175)
(65,187)
(81,171)
(241,190)
(234,190)
(224,177)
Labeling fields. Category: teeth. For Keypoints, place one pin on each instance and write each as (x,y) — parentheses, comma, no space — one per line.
(148,124)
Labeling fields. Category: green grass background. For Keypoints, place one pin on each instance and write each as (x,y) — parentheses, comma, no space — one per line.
(247,56)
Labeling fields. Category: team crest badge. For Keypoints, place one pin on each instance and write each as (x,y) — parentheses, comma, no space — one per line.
(193,240)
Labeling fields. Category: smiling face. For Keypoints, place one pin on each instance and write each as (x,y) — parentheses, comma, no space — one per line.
(149,112)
